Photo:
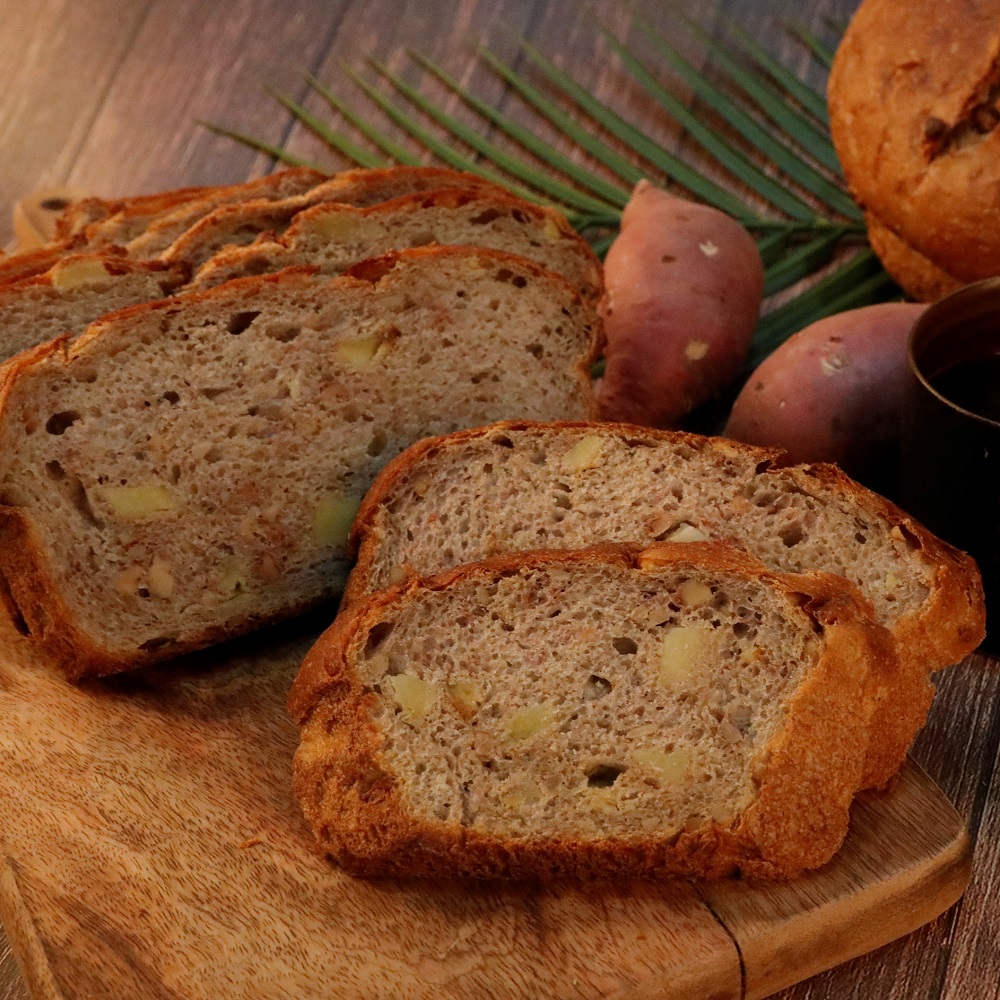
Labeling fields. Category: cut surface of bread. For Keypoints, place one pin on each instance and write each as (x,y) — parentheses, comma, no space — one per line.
(239,225)
(334,236)
(78,290)
(522,486)
(189,469)
(607,712)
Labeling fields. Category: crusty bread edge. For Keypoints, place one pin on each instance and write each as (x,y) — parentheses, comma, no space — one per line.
(356,808)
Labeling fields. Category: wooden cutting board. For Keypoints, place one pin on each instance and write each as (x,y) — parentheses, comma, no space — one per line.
(151,849)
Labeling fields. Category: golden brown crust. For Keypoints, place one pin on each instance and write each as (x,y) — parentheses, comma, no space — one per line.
(19,266)
(115,262)
(919,278)
(808,776)
(33,587)
(948,627)
(911,92)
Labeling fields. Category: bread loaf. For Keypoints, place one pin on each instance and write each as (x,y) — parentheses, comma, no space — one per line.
(914,98)
(239,225)
(606,713)
(517,486)
(912,271)
(334,236)
(79,289)
(188,469)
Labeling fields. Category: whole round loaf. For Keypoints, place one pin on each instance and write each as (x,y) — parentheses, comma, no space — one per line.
(914,94)
(921,279)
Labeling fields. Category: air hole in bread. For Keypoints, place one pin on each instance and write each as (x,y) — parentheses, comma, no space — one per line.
(563,501)
(604,775)
(171,397)
(59,423)
(240,321)
(502,441)
(78,497)
(213,392)
(537,350)
(860,537)
(519,216)
(158,643)
(377,635)
(596,687)
(486,217)
(624,645)
(791,534)
(284,334)
(55,470)
(377,443)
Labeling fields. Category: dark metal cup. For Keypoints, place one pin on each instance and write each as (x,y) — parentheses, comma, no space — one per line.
(950,455)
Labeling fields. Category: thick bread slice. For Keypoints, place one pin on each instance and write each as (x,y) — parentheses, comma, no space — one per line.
(519,486)
(78,290)
(240,225)
(334,236)
(188,469)
(603,713)
(31,263)
(85,212)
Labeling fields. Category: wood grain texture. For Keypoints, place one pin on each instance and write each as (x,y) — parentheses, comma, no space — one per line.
(153,849)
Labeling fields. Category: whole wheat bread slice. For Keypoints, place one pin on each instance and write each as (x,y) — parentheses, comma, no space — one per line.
(188,469)
(470,495)
(605,713)
(79,289)
(334,236)
(95,223)
(239,225)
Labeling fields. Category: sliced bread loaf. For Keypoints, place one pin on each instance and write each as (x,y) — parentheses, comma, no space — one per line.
(522,486)
(604,713)
(79,289)
(334,236)
(239,225)
(189,469)
(167,214)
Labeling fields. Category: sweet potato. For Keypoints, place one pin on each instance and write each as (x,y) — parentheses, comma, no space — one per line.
(683,291)
(832,392)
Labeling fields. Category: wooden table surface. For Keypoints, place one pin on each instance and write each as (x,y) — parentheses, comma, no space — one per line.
(106,95)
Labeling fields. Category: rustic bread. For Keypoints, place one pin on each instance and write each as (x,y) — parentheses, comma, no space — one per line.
(86,211)
(334,236)
(914,99)
(465,497)
(608,712)
(188,469)
(915,274)
(166,215)
(239,225)
(78,290)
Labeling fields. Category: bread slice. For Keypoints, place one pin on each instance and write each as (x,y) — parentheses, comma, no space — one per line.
(334,236)
(239,225)
(610,712)
(515,486)
(188,469)
(165,215)
(78,290)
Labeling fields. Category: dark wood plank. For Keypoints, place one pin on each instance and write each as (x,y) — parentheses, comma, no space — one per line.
(190,61)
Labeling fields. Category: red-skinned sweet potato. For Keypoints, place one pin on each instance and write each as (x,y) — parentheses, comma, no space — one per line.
(683,291)
(832,392)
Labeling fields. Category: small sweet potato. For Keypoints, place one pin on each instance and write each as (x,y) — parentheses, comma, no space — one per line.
(683,292)
(833,391)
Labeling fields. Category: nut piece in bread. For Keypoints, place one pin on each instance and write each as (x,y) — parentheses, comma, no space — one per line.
(575,758)
(224,434)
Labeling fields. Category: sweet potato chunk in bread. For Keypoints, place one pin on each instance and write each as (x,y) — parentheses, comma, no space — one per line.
(607,712)
(189,469)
